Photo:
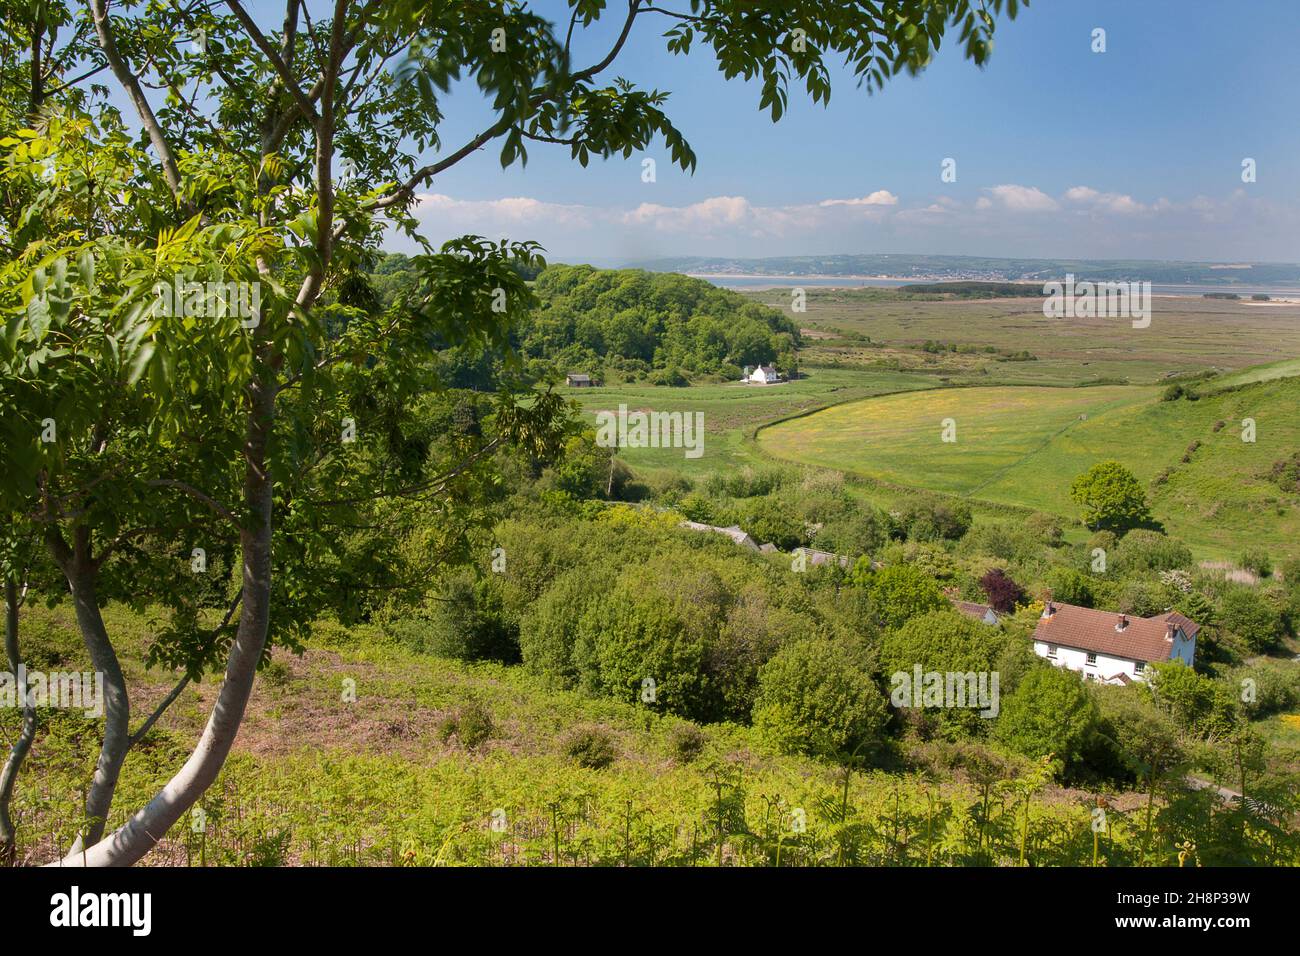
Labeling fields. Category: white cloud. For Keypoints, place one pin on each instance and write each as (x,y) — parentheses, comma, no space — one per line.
(510,209)
(1006,219)
(1017,199)
(706,215)
(881,197)
(1109,202)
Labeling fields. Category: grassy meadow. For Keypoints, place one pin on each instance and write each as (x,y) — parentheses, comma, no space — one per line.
(733,410)
(1024,446)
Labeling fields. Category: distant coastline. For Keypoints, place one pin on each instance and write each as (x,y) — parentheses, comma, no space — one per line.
(760,282)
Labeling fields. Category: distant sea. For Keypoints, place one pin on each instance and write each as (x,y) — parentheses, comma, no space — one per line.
(855,282)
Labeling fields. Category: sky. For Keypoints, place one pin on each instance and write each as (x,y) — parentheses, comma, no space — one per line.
(1059,151)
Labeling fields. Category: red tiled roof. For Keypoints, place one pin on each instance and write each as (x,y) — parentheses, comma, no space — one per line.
(1142,639)
(1189,627)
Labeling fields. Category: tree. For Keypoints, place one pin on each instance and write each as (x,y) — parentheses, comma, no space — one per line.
(1050,713)
(814,697)
(943,642)
(899,592)
(1147,742)
(275,159)
(1110,498)
(1002,592)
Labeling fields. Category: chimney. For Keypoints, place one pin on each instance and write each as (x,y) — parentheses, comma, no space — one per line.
(1170,630)
(1122,622)
(1049,608)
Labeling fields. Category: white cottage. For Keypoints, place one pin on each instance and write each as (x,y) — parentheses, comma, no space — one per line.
(1109,647)
(763,375)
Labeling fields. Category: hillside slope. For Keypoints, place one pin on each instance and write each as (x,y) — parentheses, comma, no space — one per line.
(1024,446)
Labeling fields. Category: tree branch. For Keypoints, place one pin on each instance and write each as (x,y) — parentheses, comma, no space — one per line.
(407,189)
(184,682)
(281,68)
(216,506)
(131,84)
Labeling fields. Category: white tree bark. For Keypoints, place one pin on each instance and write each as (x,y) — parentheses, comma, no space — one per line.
(130,842)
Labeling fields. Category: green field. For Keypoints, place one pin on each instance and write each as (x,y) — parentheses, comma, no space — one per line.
(733,410)
(1024,445)
(874,409)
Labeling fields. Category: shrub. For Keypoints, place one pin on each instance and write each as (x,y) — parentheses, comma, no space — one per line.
(471,725)
(943,641)
(275,672)
(592,747)
(747,638)
(1249,615)
(659,622)
(816,698)
(1105,540)
(1045,528)
(1146,598)
(767,519)
(1141,740)
(1285,472)
(1071,587)
(855,534)
(1198,704)
(1275,687)
(1290,574)
(1258,561)
(465,620)
(931,518)
(1145,550)
(687,742)
(549,628)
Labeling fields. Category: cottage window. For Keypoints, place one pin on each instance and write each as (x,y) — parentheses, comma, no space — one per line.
(1051,650)
(1092,658)
(1140,667)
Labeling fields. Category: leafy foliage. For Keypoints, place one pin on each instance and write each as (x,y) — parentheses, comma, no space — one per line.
(816,698)
(1110,498)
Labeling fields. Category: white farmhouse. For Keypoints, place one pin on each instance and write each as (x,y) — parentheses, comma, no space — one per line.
(763,375)
(1109,647)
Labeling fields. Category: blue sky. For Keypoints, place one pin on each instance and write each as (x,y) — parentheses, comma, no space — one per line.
(1135,152)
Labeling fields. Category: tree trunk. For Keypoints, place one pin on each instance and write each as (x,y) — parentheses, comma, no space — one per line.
(142,832)
(117,705)
(14,763)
